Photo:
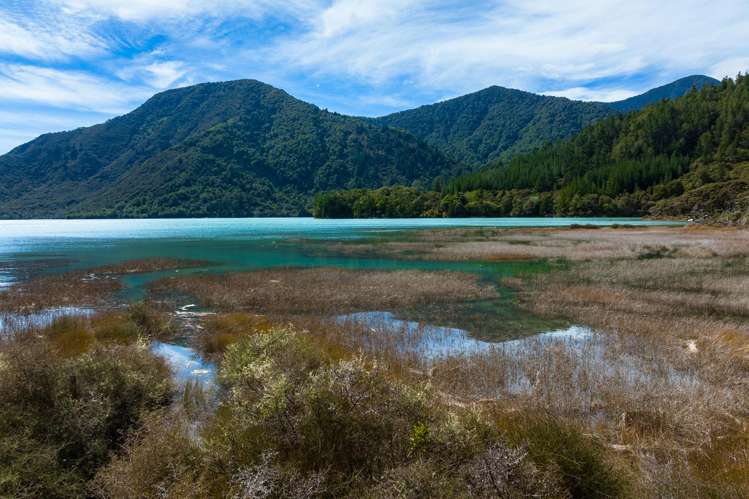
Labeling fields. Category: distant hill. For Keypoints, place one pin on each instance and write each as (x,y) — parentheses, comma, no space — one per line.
(685,158)
(239,148)
(670,91)
(498,123)
(244,148)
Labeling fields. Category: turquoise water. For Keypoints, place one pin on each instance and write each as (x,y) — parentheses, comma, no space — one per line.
(230,244)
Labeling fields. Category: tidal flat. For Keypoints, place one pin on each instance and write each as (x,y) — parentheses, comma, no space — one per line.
(335,381)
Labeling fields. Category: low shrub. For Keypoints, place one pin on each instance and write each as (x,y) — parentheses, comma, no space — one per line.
(582,464)
(64,409)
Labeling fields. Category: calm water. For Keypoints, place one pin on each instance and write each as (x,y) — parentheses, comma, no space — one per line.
(231,244)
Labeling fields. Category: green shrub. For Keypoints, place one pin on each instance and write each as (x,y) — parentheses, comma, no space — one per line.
(163,459)
(579,461)
(61,415)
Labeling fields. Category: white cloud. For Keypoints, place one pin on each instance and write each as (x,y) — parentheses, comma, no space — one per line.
(730,67)
(145,10)
(165,74)
(376,54)
(46,42)
(438,45)
(69,89)
(598,95)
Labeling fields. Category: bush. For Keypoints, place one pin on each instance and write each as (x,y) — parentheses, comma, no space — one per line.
(62,413)
(163,459)
(580,462)
(346,417)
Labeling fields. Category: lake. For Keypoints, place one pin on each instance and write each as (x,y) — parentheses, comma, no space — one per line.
(230,244)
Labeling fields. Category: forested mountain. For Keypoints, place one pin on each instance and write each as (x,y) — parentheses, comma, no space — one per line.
(238,148)
(673,90)
(684,157)
(244,148)
(498,123)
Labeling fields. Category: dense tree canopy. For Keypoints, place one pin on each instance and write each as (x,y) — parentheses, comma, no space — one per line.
(649,162)
(221,149)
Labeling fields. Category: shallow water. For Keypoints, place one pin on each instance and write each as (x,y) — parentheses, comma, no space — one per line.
(186,364)
(230,244)
(431,342)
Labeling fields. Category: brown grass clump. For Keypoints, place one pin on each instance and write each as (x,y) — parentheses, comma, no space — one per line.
(81,288)
(72,289)
(146,265)
(327,290)
(74,335)
(575,244)
(222,330)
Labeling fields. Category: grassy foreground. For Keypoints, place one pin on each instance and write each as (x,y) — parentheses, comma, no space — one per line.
(655,404)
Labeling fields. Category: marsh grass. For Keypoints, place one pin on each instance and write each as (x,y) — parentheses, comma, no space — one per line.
(572,244)
(652,401)
(327,290)
(147,265)
(95,287)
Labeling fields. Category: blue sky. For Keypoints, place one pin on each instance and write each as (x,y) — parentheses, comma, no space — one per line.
(70,63)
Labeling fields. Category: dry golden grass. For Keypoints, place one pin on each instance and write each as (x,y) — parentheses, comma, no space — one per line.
(575,244)
(327,290)
(665,383)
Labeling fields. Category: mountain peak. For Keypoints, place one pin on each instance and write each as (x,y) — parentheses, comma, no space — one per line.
(671,90)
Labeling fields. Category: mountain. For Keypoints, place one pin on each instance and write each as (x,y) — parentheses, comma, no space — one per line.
(499,122)
(686,157)
(240,148)
(496,122)
(671,91)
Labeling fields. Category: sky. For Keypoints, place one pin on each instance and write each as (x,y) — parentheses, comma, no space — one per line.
(71,63)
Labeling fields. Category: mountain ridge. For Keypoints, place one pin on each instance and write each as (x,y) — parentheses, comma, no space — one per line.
(269,150)
(529,120)
(245,148)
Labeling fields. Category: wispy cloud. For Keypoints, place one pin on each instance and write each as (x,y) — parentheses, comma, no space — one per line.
(37,39)
(516,43)
(359,56)
(597,95)
(67,89)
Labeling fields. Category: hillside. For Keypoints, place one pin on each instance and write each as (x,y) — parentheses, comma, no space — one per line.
(687,157)
(673,90)
(238,148)
(496,122)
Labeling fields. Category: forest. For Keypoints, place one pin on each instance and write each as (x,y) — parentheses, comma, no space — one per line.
(682,157)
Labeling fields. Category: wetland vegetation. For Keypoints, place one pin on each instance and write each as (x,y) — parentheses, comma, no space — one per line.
(646,397)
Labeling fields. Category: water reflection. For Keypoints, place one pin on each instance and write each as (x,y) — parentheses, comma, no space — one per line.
(186,364)
(432,342)
(40,319)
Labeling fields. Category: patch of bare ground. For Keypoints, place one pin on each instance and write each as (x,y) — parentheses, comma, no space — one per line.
(326,290)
